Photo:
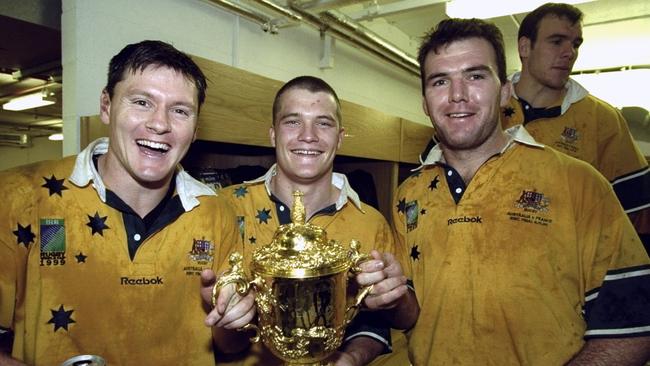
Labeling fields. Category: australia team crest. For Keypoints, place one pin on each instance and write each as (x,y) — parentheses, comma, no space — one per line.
(533,201)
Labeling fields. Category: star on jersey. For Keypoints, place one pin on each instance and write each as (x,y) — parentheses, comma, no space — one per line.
(423,211)
(61,318)
(401,206)
(240,191)
(54,185)
(508,111)
(263,215)
(81,258)
(24,235)
(97,224)
(434,183)
(415,253)
(252,240)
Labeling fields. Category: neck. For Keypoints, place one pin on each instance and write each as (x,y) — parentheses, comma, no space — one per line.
(141,197)
(467,162)
(538,95)
(316,195)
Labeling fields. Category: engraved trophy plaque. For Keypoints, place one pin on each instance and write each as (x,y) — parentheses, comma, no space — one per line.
(301,279)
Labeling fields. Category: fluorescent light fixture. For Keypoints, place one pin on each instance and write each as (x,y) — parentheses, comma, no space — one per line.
(494,8)
(28,102)
(55,137)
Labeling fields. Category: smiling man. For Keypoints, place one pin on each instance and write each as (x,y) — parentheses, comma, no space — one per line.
(101,253)
(520,254)
(307,132)
(560,113)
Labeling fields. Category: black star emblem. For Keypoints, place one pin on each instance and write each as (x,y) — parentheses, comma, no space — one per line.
(415,253)
(263,215)
(423,211)
(61,318)
(24,235)
(240,191)
(97,223)
(252,240)
(54,185)
(81,258)
(508,111)
(434,183)
(401,206)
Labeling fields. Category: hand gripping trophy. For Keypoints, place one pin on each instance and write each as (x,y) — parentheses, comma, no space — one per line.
(301,280)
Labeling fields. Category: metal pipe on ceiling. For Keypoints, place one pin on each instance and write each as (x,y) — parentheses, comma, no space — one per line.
(263,20)
(349,31)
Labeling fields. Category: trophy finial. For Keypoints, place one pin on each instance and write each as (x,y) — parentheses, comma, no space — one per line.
(298,214)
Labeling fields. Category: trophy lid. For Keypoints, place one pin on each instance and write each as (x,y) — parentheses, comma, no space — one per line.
(300,249)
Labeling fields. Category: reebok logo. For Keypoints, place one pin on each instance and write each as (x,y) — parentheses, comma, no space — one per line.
(472,220)
(141,281)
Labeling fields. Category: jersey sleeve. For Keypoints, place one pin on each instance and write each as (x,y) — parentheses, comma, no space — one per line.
(617,270)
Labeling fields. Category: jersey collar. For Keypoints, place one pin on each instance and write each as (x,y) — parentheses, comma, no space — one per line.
(84,172)
(515,133)
(575,91)
(339,181)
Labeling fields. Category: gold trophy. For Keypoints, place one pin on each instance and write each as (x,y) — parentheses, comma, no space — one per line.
(301,280)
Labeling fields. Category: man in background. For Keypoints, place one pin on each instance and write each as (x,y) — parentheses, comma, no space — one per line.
(307,132)
(520,254)
(101,253)
(559,112)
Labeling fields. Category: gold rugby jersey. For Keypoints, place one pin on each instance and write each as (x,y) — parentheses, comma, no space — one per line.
(591,130)
(68,285)
(259,214)
(522,264)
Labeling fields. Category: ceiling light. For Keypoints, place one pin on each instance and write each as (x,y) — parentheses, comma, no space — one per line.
(28,102)
(55,137)
(494,8)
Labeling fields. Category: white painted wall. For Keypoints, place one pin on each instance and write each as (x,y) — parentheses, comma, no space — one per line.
(95,30)
(42,149)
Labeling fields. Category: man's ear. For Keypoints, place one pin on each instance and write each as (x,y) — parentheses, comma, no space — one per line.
(272,135)
(105,107)
(424,107)
(506,92)
(341,135)
(523,46)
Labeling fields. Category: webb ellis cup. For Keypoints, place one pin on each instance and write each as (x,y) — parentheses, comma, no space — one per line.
(301,279)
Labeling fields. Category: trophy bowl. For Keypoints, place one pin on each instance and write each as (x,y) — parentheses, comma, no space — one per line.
(301,279)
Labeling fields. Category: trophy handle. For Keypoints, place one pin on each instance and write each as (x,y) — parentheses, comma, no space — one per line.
(236,275)
(356,258)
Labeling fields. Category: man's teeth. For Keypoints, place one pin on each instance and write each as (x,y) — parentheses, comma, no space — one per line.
(459,115)
(153,145)
(306,152)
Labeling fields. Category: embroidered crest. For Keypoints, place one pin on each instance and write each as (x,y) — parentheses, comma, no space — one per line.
(532,201)
(412,212)
(202,251)
(570,135)
(52,242)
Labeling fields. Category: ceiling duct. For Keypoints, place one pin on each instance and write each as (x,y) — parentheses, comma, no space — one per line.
(339,26)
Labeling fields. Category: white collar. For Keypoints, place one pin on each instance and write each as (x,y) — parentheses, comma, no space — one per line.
(575,91)
(187,188)
(339,181)
(515,133)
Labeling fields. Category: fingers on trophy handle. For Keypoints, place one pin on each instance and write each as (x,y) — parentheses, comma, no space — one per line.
(234,275)
(356,259)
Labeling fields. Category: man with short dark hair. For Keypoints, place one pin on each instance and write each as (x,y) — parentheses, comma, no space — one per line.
(102,252)
(560,113)
(520,254)
(307,132)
